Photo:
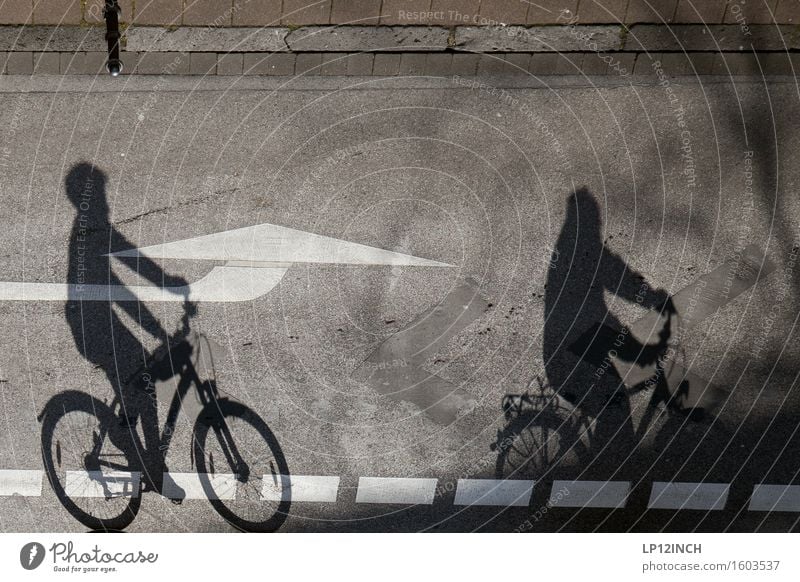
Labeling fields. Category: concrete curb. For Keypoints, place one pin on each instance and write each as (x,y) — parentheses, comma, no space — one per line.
(152,39)
(623,65)
(51,38)
(282,39)
(368,38)
(482,39)
(538,38)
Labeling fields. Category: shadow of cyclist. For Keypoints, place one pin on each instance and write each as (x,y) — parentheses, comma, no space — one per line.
(579,325)
(97,327)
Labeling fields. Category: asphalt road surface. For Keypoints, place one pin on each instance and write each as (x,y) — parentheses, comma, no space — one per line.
(371,389)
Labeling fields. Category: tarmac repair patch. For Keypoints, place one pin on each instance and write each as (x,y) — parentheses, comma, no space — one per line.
(395,369)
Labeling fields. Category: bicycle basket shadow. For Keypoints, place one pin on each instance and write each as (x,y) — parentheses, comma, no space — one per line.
(543,433)
(100,457)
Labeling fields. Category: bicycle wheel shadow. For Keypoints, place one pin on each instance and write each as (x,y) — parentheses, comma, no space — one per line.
(98,455)
(238,461)
(584,428)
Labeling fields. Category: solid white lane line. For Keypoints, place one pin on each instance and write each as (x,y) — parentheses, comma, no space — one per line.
(25,483)
(100,484)
(395,490)
(589,493)
(318,488)
(709,496)
(505,492)
(190,486)
(775,498)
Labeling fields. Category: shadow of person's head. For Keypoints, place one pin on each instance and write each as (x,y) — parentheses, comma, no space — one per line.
(583,211)
(85,186)
(576,253)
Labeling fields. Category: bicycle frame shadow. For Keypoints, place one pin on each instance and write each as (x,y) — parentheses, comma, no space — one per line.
(192,363)
(182,379)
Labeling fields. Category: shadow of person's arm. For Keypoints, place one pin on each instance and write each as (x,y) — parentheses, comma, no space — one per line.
(147,268)
(629,284)
(643,354)
(625,282)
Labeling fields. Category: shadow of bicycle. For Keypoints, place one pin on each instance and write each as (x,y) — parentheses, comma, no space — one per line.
(101,457)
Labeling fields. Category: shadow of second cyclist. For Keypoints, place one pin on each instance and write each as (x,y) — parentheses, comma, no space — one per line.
(591,432)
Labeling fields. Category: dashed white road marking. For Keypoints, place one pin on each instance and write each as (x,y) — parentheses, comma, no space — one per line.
(612,494)
(396,490)
(708,496)
(408,491)
(24,483)
(506,492)
(315,488)
(190,486)
(99,484)
(775,498)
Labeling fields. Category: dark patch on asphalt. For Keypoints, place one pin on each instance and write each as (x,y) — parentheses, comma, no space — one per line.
(395,369)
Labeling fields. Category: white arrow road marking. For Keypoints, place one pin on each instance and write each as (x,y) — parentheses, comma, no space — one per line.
(269,243)
(257,259)
(222,284)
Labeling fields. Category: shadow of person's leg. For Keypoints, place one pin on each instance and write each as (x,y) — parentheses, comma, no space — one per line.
(613,436)
(125,365)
